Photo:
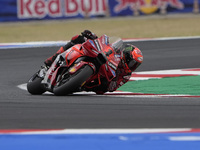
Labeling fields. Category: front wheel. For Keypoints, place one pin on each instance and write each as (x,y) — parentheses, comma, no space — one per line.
(34,85)
(73,82)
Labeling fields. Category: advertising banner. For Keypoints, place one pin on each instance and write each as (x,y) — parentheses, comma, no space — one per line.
(24,10)
(146,7)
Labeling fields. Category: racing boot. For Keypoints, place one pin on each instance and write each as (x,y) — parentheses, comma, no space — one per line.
(78,39)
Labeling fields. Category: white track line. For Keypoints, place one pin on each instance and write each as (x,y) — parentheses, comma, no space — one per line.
(105,131)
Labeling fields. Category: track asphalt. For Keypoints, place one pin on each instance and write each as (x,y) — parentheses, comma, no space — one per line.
(20,110)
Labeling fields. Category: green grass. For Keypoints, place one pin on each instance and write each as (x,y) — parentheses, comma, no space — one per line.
(126,27)
(175,85)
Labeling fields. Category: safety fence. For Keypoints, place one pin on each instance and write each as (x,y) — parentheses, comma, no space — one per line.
(25,10)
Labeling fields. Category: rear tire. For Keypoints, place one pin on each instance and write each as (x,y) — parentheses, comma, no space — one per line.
(34,86)
(73,82)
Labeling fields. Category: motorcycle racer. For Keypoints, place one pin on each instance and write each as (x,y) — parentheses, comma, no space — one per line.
(131,58)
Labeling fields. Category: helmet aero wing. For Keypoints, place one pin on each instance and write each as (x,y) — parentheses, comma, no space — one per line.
(133,56)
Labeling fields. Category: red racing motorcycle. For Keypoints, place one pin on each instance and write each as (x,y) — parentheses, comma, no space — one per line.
(82,67)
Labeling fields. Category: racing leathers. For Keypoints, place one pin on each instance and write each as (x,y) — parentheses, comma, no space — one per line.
(123,74)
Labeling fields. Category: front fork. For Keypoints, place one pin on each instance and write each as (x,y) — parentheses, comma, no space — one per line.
(50,74)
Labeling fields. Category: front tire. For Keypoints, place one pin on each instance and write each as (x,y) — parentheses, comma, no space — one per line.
(73,82)
(34,85)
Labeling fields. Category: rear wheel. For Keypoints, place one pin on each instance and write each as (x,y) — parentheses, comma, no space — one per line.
(34,85)
(73,82)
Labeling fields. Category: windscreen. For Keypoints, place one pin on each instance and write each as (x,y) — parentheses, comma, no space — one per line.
(116,43)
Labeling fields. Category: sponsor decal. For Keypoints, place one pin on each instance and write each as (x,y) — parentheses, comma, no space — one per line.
(95,51)
(27,9)
(147,6)
(113,72)
(92,43)
(106,40)
(112,65)
(97,45)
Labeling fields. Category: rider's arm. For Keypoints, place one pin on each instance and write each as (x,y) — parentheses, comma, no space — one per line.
(119,80)
(79,39)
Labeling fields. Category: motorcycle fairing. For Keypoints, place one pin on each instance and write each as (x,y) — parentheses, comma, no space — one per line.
(74,53)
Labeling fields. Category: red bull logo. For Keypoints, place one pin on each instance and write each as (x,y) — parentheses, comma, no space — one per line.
(147,6)
(59,8)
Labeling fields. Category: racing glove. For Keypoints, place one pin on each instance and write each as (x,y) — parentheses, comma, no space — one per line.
(89,35)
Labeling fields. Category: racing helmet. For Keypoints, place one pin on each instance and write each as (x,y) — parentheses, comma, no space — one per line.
(132,56)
